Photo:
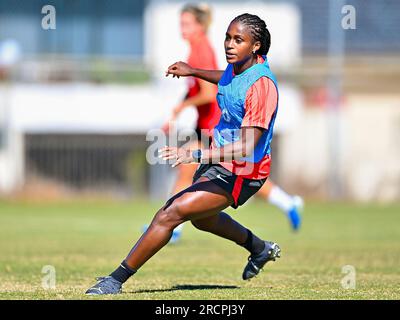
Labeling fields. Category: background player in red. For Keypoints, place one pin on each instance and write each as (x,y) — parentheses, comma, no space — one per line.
(194,23)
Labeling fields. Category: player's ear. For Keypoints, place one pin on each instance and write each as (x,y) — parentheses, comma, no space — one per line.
(256,46)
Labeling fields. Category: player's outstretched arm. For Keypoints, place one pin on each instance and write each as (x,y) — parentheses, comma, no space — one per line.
(182,69)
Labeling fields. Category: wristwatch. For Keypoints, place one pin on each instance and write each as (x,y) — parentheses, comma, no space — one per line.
(197,154)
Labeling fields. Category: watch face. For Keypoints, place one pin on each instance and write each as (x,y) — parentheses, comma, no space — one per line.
(197,154)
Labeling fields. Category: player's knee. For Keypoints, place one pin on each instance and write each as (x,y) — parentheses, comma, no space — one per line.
(170,216)
(176,210)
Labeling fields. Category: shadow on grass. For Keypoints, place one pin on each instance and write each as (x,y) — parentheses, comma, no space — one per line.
(187,287)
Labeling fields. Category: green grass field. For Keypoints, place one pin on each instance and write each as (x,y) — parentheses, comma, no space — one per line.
(86,239)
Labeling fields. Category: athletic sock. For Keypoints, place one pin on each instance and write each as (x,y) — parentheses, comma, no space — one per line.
(123,272)
(253,243)
(281,199)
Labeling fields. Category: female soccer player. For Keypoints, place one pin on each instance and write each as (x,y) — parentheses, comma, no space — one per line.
(232,170)
(194,23)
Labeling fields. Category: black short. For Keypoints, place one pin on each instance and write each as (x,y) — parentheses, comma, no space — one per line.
(240,188)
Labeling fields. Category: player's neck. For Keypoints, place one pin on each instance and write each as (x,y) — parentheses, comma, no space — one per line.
(197,38)
(242,66)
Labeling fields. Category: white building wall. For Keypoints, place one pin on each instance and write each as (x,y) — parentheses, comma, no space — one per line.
(370,150)
(12,163)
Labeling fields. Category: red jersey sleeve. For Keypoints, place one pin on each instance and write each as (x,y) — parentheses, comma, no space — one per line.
(260,103)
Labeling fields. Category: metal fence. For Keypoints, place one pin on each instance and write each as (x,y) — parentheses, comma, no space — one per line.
(94,162)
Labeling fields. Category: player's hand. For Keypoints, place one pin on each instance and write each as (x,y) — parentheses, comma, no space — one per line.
(180,155)
(179,69)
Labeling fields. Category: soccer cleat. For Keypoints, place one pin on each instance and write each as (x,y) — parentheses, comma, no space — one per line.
(257,262)
(105,285)
(294,215)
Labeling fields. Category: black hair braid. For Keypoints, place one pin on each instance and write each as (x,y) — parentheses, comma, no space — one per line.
(258,30)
